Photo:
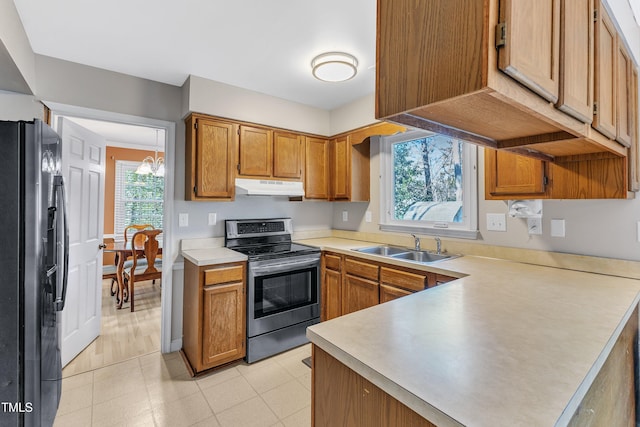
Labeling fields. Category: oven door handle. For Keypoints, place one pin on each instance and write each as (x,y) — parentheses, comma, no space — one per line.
(283,266)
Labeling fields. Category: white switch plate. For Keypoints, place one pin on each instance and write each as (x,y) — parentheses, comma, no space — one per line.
(213,218)
(183,220)
(496,222)
(534,225)
(367,216)
(345,216)
(638,230)
(557,228)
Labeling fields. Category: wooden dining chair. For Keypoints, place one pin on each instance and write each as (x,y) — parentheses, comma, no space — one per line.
(128,232)
(147,268)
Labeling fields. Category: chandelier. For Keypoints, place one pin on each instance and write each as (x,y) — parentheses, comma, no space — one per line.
(152,165)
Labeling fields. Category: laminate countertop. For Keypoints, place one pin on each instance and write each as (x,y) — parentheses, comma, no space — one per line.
(506,344)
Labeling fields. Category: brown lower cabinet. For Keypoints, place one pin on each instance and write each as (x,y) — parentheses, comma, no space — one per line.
(351,283)
(214,320)
(341,397)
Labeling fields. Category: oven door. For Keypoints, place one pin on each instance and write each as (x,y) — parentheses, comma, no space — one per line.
(282,292)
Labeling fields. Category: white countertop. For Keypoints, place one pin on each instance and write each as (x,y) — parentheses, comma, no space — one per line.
(211,256)
(507,344)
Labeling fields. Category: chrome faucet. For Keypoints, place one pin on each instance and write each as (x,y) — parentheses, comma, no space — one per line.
(438,245)
(416,239)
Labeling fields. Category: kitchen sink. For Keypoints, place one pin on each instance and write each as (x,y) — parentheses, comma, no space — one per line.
(407,254)
(422,256)
(383,250)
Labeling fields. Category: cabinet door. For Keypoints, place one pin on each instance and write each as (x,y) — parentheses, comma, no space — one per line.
(316,182)
(634,170)
(223,331)
(214,159)
(624,97)
(287,155)
(509,175)
(340,169)
(358,294)
(389,293)
(604,91)
(531,51)
(255,148)
(576,59)
(332,288)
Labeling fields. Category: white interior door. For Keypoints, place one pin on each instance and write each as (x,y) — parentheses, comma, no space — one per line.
(83,164)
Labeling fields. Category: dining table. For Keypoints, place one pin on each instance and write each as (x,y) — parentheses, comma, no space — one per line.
(124,251)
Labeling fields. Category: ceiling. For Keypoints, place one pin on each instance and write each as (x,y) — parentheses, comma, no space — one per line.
(262,45)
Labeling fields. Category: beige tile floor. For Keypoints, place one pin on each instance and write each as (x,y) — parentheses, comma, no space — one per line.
(156,390)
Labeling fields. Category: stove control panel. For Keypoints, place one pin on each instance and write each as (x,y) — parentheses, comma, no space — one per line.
(260,227)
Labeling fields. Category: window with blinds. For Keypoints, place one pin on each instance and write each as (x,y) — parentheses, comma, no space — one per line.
(138,198)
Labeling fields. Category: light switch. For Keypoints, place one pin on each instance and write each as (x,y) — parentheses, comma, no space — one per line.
(183,220)
(345,216)
(213,218)
(367,216)
(557,228)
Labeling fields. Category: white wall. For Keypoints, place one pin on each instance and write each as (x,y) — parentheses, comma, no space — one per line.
(219,99)
(16,44)
(15,106)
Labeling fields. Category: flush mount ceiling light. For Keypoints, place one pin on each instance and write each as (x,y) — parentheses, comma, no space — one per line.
(334,66)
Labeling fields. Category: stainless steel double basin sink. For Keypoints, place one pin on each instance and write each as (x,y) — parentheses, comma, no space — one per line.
(397,252)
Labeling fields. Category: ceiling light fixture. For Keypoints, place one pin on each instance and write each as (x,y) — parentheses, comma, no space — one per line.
(334,66)
(152,165)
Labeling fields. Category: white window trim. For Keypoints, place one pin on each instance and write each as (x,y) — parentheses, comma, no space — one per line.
(121,167)
(468,229)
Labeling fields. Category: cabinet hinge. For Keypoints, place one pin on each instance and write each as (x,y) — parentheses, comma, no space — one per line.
(195,189)
(595,15)
(595,108)
(195,125)
(238,167)
(501,34)
(545,180)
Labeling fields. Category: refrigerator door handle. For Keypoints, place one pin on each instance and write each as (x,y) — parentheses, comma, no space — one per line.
(58,182)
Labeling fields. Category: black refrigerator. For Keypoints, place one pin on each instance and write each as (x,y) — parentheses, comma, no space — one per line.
(33,272)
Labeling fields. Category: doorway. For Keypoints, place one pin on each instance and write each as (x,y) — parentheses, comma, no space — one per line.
(98,121)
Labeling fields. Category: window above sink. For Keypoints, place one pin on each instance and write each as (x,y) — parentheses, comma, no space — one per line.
(428,185)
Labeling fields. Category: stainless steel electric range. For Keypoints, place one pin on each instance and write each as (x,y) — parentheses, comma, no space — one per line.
(283,284)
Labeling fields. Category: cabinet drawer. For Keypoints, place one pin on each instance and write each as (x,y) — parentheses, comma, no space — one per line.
(441,278)
(361,269)
(332,262)
(403,279)
(224,274)
(389,293)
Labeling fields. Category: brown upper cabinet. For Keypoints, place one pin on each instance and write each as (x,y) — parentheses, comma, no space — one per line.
(316,179)
(287,155)
(209,158)
(219,150)
(349,162)
(515,74)
(255,150)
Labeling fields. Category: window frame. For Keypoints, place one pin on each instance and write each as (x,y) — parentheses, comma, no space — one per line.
(122,166)
(468,229)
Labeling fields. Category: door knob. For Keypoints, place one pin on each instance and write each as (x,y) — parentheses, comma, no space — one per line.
(102,246)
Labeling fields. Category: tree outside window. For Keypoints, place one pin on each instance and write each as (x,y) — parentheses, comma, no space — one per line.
(428,185)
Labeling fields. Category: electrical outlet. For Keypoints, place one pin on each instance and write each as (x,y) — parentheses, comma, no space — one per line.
(183,220)
(496,222)
(534,225)
(367,216)
(213,218)
(557,228)
(345,216)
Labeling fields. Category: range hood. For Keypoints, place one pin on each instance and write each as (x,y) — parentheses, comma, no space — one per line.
(267,187)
